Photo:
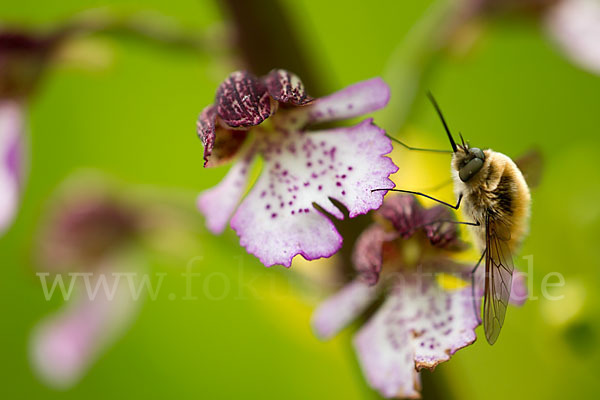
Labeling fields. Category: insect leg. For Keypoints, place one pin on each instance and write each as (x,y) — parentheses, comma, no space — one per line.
(424,195)
(450,222)
(473,285)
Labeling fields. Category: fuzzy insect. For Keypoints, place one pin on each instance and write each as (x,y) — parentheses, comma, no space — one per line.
(495,196)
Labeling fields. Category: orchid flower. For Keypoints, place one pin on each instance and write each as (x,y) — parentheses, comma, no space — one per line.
(422,321)
(270,117)
(93,235)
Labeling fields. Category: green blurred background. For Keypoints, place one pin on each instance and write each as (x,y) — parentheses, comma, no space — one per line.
(134,118)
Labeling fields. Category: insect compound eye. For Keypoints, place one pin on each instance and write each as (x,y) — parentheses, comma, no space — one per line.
(465,173)
(478,153)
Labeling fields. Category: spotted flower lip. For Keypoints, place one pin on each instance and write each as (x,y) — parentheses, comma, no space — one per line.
(419,324)
(269,117)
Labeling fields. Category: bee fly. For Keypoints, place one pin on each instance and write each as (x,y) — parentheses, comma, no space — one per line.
(495,194)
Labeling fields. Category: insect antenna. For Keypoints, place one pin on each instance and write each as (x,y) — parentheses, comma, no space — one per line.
(439,111)
(465,146)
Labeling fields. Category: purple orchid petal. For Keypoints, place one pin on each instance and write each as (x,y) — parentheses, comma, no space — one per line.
(11,127)
(367,255)
(243,100)
(575,26)
(64,345)
(407,216)
(218,203)
(286,87)
(442,235)
(404,212)
(206,130)
(418,326)
(353,101)
(277,220)
(220,144)
(342,308)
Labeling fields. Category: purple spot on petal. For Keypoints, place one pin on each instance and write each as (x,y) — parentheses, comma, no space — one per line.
(268,206)
(274,215)
(320,187)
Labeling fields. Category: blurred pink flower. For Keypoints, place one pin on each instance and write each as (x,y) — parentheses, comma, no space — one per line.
(420,323)
(93,235)
(575,27)
(269,117)
(11,160)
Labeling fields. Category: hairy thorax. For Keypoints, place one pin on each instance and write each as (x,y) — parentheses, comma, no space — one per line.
(499,190)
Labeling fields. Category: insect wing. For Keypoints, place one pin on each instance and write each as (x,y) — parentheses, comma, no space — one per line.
(531,165)
(498,277)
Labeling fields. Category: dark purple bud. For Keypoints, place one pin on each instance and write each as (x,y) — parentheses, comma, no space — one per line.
(286,87)
(82,231)
(23,58)
(243,100)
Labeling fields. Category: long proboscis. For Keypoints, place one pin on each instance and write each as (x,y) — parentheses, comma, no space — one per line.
(439,111)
